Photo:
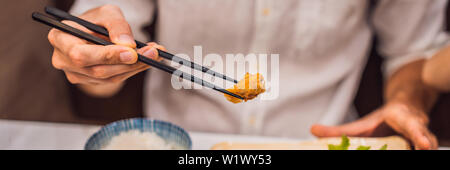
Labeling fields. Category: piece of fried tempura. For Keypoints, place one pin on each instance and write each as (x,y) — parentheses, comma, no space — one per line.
(249,88)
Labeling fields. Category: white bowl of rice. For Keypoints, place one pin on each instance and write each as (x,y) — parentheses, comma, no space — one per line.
(140,134)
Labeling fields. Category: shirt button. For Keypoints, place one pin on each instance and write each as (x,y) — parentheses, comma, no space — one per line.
(266,12)
(252,120)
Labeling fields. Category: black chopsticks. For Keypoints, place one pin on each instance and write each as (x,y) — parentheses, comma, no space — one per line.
(62,15)
(96,40)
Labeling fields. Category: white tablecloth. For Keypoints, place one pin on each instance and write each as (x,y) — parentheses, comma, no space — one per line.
(40,135)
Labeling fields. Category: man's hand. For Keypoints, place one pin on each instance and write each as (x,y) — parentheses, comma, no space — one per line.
(100,70)
(406,120)
(407,101)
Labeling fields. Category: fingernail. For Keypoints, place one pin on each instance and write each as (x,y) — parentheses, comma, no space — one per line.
(126,56)
(126,39)
(151,53)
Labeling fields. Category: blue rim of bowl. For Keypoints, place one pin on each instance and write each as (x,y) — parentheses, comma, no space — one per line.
(97,135)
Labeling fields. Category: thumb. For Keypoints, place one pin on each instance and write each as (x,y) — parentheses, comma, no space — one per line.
(362,127)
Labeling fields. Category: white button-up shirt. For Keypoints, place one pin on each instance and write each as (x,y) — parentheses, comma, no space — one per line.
(322,45)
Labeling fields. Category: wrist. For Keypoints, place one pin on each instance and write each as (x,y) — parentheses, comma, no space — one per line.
(402,102)
(406,108)
(101,90)
(419,99)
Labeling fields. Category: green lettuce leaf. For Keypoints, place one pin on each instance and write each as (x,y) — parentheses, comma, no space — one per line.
(363,147)
(384,147)
(345,143)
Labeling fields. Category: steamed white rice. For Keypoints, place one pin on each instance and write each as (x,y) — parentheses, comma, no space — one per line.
(136,140)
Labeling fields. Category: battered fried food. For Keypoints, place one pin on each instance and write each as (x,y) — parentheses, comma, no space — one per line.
(248,88)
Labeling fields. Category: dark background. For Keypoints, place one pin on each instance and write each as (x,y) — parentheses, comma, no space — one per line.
(31,89)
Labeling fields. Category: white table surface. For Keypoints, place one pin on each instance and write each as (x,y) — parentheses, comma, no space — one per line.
(43,135)
(56,136)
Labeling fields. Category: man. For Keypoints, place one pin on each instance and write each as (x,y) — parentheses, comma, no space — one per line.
(322,47)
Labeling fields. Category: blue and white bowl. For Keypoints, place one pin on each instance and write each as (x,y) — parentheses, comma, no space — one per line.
(168,131)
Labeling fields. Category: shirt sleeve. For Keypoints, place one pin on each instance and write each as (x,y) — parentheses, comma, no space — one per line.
(409,30)
(138,13)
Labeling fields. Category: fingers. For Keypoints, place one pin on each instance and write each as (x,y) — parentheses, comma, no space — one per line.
(88,55)
(323,131)
(433,140)
(61,62)
(108,71)
(412,124)
(112,18)
(420,136)
(83,54)
(91,64)
(407,121)
(62,41)
(85,63)
(362,127)
(104,72)
(332,131)
(153,44)
(108,16)
(77,78)
(151,51)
